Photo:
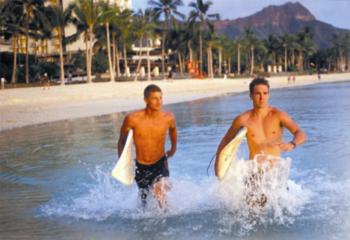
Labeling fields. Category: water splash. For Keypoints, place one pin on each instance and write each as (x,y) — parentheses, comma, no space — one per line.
(259,193)
(235,202)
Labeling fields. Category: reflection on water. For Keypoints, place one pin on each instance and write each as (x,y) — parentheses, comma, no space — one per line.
(56,184)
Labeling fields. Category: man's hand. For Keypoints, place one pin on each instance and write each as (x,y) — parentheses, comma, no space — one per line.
(170,153)
(286,147)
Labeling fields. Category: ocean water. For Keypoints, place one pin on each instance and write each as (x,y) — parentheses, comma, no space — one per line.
(56,184)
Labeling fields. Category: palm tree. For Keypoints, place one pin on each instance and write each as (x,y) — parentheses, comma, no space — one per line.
(167,9)
(87,15)
(178,41)
(287,43)
(30,19)
(108,14)
(59,19)
(273,45)
(251,43)
(193,33)
(341,46)
(10,29)
(200,12)
(306,46)
(143,26)
(126,37)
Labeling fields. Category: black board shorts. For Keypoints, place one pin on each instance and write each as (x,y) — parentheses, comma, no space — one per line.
(147,175)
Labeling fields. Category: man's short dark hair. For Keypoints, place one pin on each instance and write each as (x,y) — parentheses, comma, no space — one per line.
(150,89)
(258,81)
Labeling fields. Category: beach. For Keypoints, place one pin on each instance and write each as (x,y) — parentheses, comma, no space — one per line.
(29,106)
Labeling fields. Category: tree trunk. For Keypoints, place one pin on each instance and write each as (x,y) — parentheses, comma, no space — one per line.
(126,67)
(189,45)
(252,61)
(229,65)
(87,58)
(300,60)
(239,60)
(180,63)
(292,57)
(90,55)
(220,61)
(200,53)
(27,58)
(14,66)
(114,55)
(163,56)
(148,66)
(110,64)
(61,56)
(210,62)
(117,60)
(285,59)
(140,60)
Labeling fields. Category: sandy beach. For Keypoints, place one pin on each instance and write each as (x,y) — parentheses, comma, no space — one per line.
(28,106)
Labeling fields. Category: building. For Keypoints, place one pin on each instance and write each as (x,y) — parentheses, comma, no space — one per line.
(46,48)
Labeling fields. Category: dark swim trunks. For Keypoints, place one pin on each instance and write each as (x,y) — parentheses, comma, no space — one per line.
(147,175)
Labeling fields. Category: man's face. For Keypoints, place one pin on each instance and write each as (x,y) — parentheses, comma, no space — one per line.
(260,96)
(154,101)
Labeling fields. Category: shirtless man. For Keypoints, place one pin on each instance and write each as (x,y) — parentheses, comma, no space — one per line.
(264,125)
(150,127)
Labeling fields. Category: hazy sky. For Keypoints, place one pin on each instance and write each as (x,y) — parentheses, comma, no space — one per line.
(335,12)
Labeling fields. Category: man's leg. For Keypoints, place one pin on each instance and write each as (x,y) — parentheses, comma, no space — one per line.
(160,188)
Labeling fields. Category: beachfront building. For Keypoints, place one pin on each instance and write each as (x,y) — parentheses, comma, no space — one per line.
(149,50)
(50,48)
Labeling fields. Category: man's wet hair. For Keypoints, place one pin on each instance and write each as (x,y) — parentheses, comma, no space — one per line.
(258,81)
(150,89)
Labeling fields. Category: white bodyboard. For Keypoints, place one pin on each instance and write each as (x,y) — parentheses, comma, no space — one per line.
(124,169)
(229,154)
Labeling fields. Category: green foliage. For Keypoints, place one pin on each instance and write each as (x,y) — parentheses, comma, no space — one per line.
(6,65)
(100,62)
(52,69)
(78,60)
(292,68)
(312,71)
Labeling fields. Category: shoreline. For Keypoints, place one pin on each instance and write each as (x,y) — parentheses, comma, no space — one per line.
(31,106)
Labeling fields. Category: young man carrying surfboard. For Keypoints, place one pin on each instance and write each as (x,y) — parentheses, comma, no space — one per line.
(150,126)
(264,125)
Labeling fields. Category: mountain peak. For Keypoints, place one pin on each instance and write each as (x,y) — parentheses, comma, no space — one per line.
(277,15)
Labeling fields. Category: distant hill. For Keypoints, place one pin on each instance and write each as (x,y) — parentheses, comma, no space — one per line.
(286,18)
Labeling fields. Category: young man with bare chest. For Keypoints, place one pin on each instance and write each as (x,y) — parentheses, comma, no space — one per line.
(265,125)
(151,126)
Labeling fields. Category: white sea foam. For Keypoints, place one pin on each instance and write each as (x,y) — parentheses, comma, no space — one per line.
(105,198)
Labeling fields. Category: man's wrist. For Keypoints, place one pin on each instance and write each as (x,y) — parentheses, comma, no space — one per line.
(293,143)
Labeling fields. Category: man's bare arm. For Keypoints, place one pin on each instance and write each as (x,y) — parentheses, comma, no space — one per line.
(173,137)
(123,134)
(230,134)
(299,137)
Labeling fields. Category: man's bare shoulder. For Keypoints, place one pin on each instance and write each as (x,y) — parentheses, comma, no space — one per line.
(278,112)
(134,116)
(243,117)
(169,115)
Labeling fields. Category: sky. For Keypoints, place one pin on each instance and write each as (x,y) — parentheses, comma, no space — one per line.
(334,12)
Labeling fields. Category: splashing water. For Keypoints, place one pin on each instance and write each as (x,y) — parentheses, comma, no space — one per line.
(258,192)
(251,194)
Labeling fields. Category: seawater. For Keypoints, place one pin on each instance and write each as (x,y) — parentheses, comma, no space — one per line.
(56,184)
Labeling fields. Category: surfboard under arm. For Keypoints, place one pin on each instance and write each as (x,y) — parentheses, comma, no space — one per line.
(229,153)
(123,171)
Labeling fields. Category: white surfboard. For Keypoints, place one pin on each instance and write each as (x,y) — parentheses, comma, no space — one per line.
(124,169)
(229,153)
